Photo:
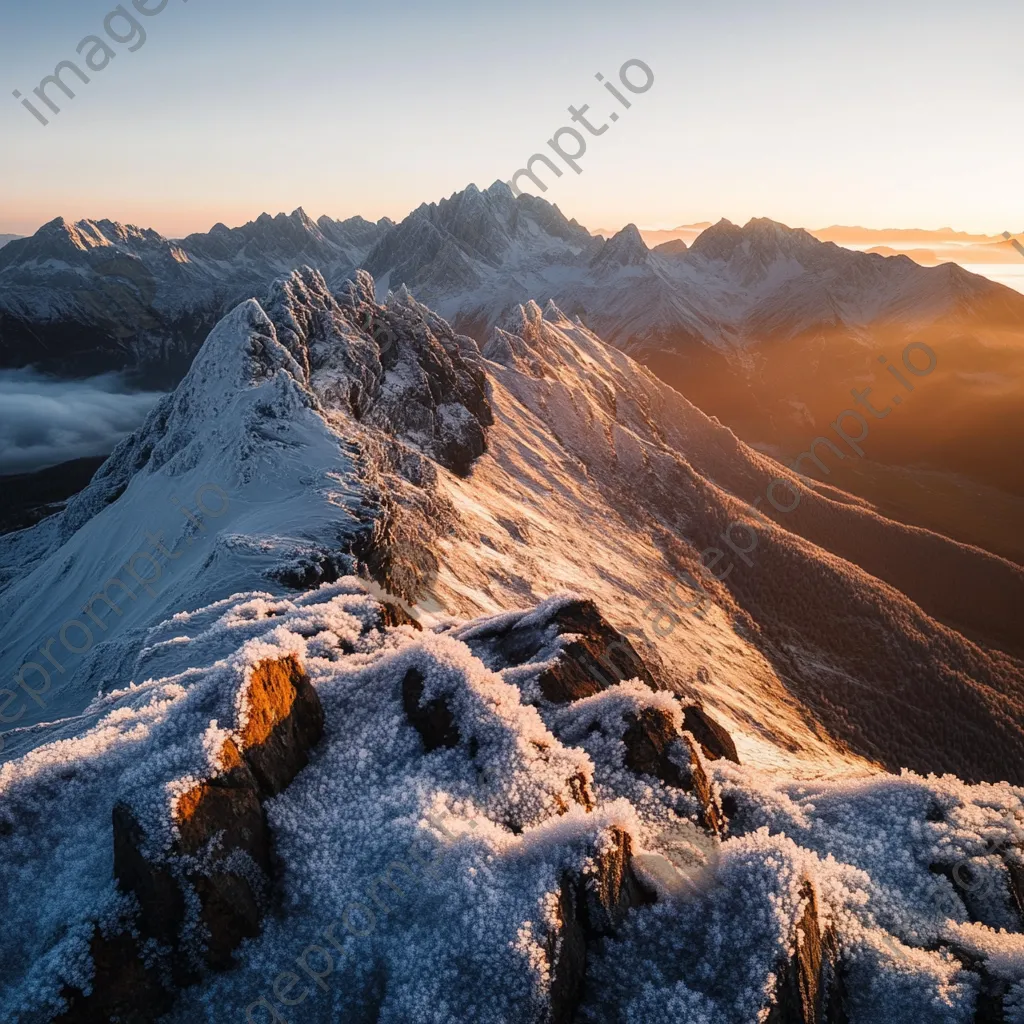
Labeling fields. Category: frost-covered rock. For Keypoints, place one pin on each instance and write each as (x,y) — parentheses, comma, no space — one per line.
(810,988)
(590,906)
(714,739)
(583,652)
(202,879)
(470,885)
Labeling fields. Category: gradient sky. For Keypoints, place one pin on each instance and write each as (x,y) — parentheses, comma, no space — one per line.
(886,114)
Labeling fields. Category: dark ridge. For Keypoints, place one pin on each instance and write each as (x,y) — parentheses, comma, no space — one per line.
(26,498)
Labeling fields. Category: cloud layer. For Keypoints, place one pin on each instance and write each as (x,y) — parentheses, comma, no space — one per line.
(45,421)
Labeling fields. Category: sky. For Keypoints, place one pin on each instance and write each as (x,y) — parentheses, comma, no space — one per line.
(896,114)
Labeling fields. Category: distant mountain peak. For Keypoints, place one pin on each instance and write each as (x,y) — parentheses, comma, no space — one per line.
(500,190)
(760,236)
(626,248)
(718,241)
(673,247)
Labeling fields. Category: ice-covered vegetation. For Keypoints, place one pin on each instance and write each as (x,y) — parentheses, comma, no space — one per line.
(436,876)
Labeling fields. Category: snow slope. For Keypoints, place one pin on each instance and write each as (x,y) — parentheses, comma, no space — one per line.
(240,478)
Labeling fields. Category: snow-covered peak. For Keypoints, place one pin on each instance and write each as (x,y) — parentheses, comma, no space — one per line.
(500,190)
(759,238)
(472,257)
(291,418)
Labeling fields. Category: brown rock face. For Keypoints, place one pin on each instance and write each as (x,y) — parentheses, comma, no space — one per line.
(133,993)
(711,814)
(648,737)
(567,956)
(392,614)
(714,740)
(810,989)
(579,789)
(1016,882)
(221,859)
(990,1007)
(433,720)
(599,657)
(588,908)
(285,722)
(219,820)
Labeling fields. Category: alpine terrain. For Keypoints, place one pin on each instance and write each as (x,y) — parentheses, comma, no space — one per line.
(764,326)
(426,657)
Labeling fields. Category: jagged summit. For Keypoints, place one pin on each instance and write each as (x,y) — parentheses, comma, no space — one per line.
(626,248)
(304,401)
(761,237)
(398,367)
(435,247)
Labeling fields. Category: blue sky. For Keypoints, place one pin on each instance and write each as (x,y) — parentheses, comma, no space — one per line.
(884,114)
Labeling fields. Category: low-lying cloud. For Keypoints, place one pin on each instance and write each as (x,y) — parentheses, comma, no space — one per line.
(45,421)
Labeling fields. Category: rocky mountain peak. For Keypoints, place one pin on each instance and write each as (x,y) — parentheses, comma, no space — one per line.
(626,248)
(673,247)
(760,238)
(769,235)
(718,241)
(398,367)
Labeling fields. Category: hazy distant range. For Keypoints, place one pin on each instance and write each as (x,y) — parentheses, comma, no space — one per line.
(44,422)
(992,256)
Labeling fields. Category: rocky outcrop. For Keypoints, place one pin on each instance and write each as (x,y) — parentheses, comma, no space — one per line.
(1015,871)
(397,367)
(439,729)
(125,989)
(655,746)
(221,858)
(285,722)
(712,816)
(209,891)
(593,657)
(596,657)
(649,736)
(990,1006)
(590,906)
(393,614)
(809,987)
(714,740)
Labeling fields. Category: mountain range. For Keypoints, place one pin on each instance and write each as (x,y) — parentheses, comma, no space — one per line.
(141,298)
(765,327)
